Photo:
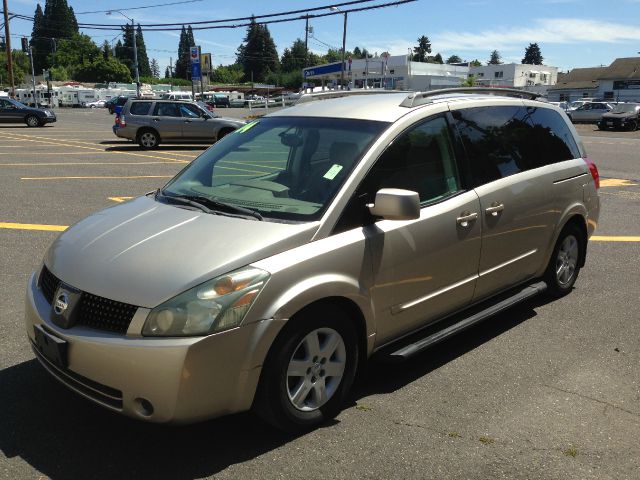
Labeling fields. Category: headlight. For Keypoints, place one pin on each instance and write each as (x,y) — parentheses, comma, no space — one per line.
(214,306)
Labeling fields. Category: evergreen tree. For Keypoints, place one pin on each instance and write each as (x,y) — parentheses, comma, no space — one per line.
(106,50)
(155,68)
(294,59)
(532,55)
(495,58)
(183,63)
(167,72)
(143,59)
(257,54)
(41,46)
(438,59)
(421,51)
(124,49)
(454,59)
(475,63)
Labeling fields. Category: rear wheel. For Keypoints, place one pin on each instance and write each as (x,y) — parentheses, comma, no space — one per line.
(309,370)
(224,132)
(632,126)
(148,139)
(32,121)
(564,265)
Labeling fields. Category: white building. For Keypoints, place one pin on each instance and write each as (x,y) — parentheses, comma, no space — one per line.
(391,72)
(537,78)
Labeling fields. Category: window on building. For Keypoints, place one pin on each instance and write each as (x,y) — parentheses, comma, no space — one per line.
(564,97)
(543,77)
(608,96)
(480,74)
(499,74)
(532,75)
(585,94)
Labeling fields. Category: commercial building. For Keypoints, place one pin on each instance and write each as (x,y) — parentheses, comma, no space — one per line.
(618,82)
(387,71)
(536,78)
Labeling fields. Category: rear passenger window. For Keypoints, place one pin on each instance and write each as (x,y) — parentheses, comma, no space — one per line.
(552,137)
(167,110)
(140,108)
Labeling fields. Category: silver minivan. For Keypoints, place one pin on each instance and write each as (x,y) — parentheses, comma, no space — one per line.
(269,270)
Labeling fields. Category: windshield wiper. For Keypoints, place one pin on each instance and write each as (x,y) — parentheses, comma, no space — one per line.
(203,203)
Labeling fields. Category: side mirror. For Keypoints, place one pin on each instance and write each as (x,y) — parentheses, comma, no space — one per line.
(396,204)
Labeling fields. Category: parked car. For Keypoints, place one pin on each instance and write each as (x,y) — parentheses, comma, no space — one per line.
(12,111)
(219,100)
(150,122)
(268,271)
(176,96)
(624,116)
(589,112)
(578,103)
(115,102)
(205,106)
(96,104)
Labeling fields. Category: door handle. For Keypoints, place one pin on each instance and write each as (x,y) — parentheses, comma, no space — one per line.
(466,217)
(156,119)
(494,209)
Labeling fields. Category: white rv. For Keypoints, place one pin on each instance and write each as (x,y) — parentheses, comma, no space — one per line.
(77,97)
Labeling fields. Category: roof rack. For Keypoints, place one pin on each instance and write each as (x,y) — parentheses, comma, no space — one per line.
(310,97)
(421,98)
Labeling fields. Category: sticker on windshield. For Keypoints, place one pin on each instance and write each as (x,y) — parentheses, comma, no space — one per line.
(247,126)
(332,172)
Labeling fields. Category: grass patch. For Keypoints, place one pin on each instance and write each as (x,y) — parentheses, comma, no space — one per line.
(487,440)
(570,452)
(454,434)
(363,407)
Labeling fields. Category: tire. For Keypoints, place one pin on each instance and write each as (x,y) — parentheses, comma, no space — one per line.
(309,370)
(565,263)
(148,139)
(632,126)
(32,121)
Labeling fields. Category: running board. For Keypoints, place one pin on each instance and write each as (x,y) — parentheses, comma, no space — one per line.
(460,322)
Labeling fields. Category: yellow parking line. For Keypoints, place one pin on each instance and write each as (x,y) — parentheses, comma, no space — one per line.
(597,238)
(97,177)
(33,226)
(97,144)
(103,151)
(616,182)
(58,164)
(120,199)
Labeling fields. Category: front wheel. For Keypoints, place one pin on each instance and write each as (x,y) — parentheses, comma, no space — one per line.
(309,370)
(32,121)
(632,126)
(564,265)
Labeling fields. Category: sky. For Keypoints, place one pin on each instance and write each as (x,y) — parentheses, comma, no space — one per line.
(570,33)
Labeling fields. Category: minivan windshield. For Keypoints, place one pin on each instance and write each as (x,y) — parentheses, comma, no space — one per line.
(284,168)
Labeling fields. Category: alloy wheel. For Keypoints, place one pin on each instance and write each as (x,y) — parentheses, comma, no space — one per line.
(567,260)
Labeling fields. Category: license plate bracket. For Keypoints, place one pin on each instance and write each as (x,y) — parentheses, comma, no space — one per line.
(51,347)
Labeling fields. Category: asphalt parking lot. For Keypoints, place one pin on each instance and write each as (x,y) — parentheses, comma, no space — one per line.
(548,390)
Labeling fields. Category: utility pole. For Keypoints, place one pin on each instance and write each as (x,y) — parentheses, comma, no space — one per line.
(135,57)
(344,39)
(306,41)
(8,45)
(33,78)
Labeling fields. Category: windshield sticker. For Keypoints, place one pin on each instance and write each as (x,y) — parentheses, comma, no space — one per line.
(332,172)
(247,126)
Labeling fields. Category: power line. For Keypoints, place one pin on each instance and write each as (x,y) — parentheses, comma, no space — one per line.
(139,8)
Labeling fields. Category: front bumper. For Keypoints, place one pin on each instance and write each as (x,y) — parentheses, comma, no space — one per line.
(183,379)
(49,119)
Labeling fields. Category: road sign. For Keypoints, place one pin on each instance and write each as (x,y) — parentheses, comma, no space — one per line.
(195,71)
(205,62)
(194,54)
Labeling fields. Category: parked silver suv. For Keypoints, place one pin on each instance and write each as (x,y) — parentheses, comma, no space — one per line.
(275,264)
(150,122)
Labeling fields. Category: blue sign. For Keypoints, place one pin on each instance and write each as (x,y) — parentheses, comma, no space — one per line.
(323,70)
(195,71)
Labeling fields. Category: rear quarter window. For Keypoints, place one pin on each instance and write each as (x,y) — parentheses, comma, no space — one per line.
(140,108)
(555,141)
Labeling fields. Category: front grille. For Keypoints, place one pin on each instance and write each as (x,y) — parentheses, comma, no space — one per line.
(93,311)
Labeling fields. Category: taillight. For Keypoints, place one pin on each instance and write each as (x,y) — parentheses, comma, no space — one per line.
(123,123)
(594,172)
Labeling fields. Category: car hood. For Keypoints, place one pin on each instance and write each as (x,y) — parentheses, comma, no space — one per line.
(144,252)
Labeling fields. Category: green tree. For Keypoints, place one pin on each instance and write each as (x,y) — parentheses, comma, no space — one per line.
(58,73)
(228,74)
(294,59)
(58,22)
(183,64)
(257,54)
(155,68)
(21,66)
(495,58)
(101,70)
(167,72)
(453,59)
(438,59)
(421,50)
(73,53)
(291,80)
(106,50)
(144,68)
(475,63)
(532,55)
(40,45)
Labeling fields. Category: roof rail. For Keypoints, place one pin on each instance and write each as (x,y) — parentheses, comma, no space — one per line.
(310,97)
(421,98)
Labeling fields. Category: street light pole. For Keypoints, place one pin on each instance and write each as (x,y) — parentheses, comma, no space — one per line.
(344,40)
(135,49)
